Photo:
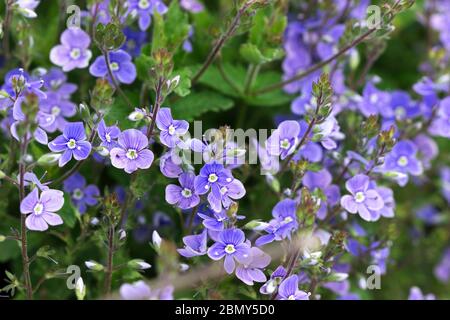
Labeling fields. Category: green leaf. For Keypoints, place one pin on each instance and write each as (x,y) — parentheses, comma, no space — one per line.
(196,104)
(213,79)
(184,87)
(68,212)
(271,99)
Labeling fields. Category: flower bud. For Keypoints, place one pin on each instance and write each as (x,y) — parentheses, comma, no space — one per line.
(156,239)
(49,159)
(80,289)
(139,264)
(93,265)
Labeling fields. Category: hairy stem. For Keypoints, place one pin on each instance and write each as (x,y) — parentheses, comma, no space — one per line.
(6,27)
(114,80)
(110,262)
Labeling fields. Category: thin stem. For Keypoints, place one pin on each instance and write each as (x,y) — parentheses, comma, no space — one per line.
(251,77)
(23,227)
(191,219)
(6,27)
(110,262)
(114,80)
(158,102)
(226,78)
(321,64)
(221,41)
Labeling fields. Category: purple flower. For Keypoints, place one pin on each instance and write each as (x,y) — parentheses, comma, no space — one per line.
(81,195)
(108,135)
(231,245)
(183,197)
(132,153)
(403,159)
(445,182)
(144,9)
(429,214)
(275,279)
(71,142)
(192,5)
(362,199)
(42,209)
(213,176)
(43,120)
(442,270)
(60,108)
(441,125)
(56,81)
(168,167)
(171,130)
(214,221)
(284,139)
(427,149)
(141,291)
(283,224)
(195,245)
(73,51)
(135,41)
(416,294)
(121,67)
(250,271)
(288,290)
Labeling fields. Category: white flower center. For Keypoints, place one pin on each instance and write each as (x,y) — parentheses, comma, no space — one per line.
(75,53)
(230,249)
(38,208)
(186,193)
(114,66)
(72,144)
(400,111)
(360,197)
(78,194)
(291,297)
(143,4)
(56,111)
(285,144)
(108,137)
(223,190)
(213,177)
(171,130)
(402,161)
(131,154)
(288,219)
(373,98)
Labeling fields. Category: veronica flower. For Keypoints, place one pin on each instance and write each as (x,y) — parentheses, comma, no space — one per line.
(427,149)
(55,81)
(442,270)
(144,9)
(416,294)
(73,52)
(284,139)
(41,209)
(43,120)
(445,183)
(30,179)
(168,167)
(275,279)
(214,221)
(193,6)
(72,143)
(250,271)
(362,199)
(441,124)
(131,153)
(17,85)
(60,108)
(183,197)
(121,66)
(373,100)
(403,159)
(108,135)
(288,290)
(231,245)
(171,130)
(141,291)
(194,245)
(81,195)
(134,41)
(213,176)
